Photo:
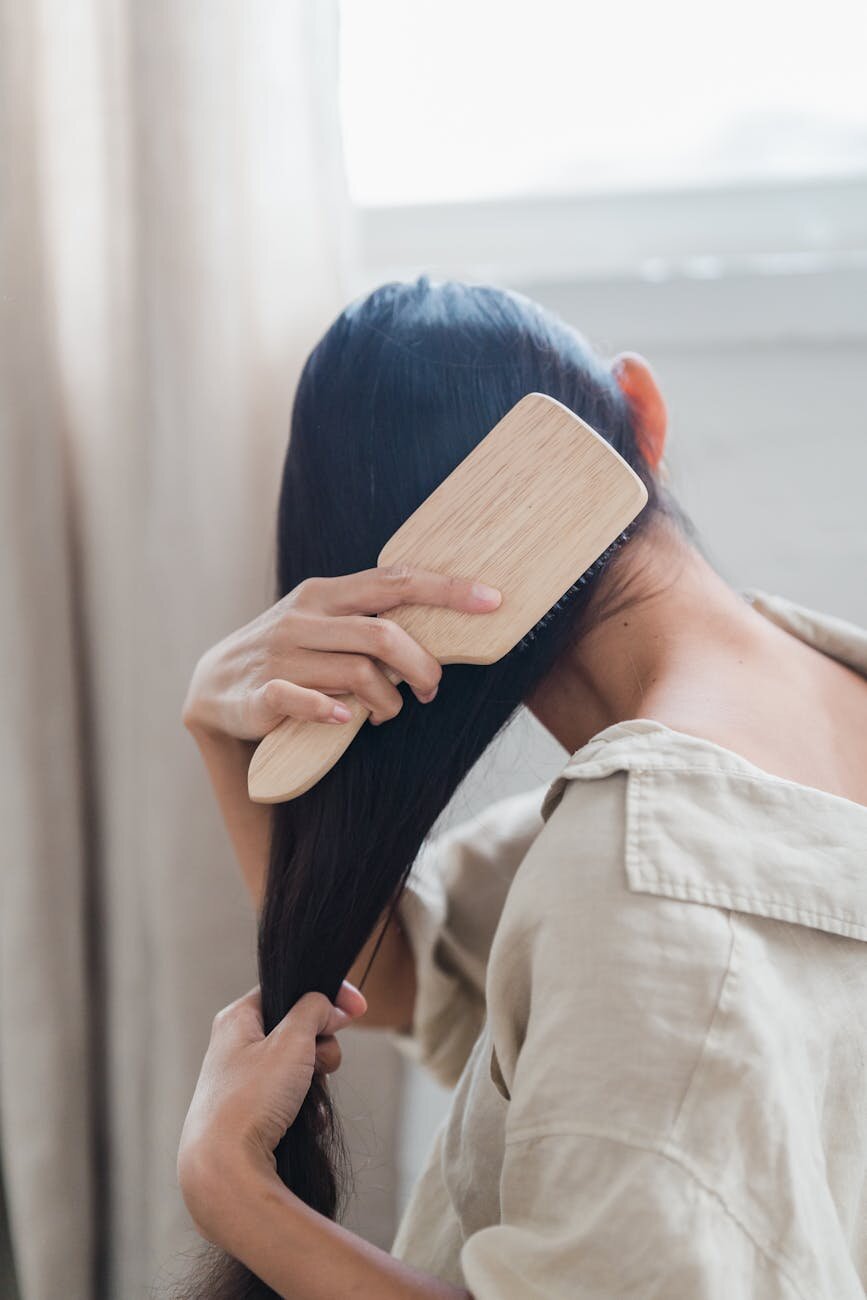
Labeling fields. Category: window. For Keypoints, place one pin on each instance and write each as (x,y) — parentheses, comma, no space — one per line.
(450,101)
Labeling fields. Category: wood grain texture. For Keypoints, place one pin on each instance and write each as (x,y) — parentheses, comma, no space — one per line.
(527,511)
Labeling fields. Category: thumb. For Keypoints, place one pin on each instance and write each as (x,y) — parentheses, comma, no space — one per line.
(349,1004)
(351,1000)
(313,1015)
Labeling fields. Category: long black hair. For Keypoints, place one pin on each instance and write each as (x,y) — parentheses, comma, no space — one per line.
(398,391)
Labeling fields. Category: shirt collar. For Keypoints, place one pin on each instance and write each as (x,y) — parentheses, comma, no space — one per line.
(705,825)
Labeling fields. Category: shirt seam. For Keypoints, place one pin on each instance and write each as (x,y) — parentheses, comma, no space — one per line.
(721,895)
(728,979)
(594,767)
(652,762)
(676,1156)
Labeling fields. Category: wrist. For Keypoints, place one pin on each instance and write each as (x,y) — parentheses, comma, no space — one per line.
(262,1209)
(223,1187)
(250,1209)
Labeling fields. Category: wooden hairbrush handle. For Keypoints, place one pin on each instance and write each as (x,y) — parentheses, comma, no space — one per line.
(297,745)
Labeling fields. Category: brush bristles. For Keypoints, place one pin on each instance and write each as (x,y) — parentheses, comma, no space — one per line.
(587,576)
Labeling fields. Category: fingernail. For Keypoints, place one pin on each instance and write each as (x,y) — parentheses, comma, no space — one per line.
(340,713)
(488,595)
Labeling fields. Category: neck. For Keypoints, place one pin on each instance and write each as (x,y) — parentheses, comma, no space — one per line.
(680,630)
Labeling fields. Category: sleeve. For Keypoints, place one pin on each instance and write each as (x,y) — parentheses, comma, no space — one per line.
(600,1005)
(450,908)
(594,1218)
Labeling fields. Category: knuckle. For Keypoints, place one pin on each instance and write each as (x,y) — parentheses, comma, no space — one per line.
(290,629)
(221,1020)
(272,693)
(308,591)
(394,706)
(382,633)
(399,576)
(313,1005)
(432,677)
(365,676)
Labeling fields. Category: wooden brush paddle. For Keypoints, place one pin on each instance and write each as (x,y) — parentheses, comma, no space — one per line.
(532,506)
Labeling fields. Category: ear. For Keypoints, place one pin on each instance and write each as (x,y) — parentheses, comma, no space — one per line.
(639,385)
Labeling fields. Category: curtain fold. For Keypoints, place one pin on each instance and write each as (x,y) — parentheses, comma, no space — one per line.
(174,238)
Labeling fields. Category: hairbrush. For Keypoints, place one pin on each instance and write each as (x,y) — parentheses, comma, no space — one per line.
(533,506)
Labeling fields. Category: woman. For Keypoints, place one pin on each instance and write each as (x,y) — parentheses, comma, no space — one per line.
(649,982)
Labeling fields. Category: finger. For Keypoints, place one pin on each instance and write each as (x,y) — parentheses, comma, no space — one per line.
(380,638)
(349,1004)
(353,674)
(294,701)
(252,999)
(351,1000)
(328,1054)
(372,591)
(311,1016)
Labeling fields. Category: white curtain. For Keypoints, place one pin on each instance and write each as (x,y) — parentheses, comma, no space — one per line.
(173,240)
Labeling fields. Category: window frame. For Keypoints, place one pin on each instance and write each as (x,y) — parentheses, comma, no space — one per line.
(667,254)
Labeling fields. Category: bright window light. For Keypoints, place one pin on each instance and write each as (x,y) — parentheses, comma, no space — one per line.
(457,100)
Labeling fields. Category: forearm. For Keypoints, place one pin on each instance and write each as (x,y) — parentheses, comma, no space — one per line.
(303,1255)
(249,824)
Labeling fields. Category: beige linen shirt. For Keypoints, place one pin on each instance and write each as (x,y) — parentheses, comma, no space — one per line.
(649,985)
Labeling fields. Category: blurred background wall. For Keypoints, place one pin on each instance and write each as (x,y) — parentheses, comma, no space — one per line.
(191,191)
